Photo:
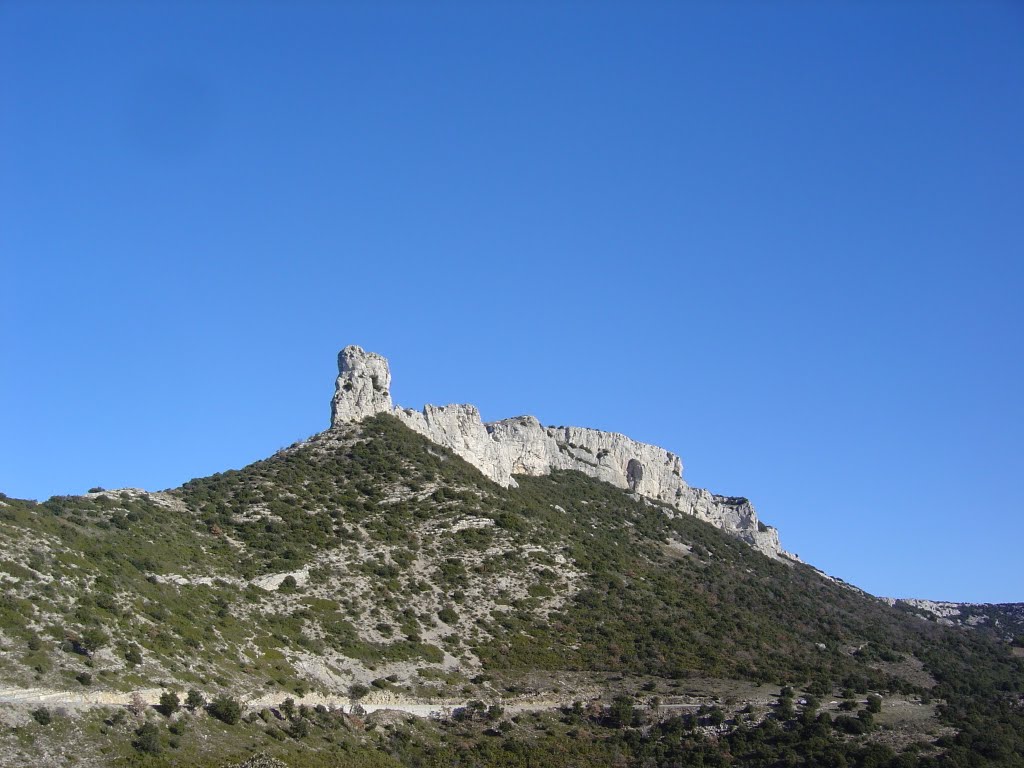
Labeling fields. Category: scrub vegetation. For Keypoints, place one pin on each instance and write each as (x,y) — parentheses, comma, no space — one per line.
(369,565)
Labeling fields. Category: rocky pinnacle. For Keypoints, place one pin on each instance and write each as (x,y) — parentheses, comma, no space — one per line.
(363,387)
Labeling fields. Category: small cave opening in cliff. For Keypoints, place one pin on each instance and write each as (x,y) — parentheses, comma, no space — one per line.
(634,473)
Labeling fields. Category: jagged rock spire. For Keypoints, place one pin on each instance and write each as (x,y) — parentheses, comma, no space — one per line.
(363,387)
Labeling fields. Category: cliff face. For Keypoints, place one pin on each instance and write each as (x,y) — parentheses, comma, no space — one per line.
(523,446)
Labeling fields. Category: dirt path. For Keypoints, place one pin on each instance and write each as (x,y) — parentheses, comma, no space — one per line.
(75,699)
(35,697)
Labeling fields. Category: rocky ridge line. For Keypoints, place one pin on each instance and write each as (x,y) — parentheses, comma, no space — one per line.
(523,446)
(1006,618)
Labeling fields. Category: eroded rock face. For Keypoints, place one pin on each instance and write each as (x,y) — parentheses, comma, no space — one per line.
(523,446)
(363,387)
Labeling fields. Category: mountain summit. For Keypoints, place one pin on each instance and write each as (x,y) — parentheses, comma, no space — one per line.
(523,446)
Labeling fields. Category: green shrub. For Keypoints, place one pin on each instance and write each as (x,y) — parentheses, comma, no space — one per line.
(288,708)
(92,640)
(133,655)
(42,716)
(540,590)
(147,739)
(169,703)
(225,709)
(784,711)
(851,725)
(357,690)
(620,713)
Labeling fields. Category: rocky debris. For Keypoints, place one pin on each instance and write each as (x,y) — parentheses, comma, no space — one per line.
(523,446)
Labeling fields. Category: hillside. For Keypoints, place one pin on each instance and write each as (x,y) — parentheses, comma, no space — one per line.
(559,620)
(1004,619)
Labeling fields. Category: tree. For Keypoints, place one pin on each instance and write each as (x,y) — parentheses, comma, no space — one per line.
(474,710)
(42,716)
(851,725)
(169,703)
(92,640)
(195,700)
(225,709)
(133,655)
(357,690)
(147,739)
(874,755)
(785,708)
(137,705)
(288,708)
(874,704)
(620,713)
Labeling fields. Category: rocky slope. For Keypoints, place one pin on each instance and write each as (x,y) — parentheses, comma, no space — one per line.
(550,618)
(1005,619)
(523,446)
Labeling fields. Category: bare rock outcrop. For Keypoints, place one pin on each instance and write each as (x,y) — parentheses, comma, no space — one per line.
(363,387)
(523,446)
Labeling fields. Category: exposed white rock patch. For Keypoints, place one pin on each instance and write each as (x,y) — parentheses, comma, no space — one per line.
(272,581)
(938,608)
(523,446)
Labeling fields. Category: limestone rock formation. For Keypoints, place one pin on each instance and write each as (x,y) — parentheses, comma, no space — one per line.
(363,387)
(523,446)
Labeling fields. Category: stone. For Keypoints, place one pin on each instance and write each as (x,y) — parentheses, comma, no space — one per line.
(523,446)
(363,387)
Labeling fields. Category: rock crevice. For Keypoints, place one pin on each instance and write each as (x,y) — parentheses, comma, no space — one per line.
(523,446)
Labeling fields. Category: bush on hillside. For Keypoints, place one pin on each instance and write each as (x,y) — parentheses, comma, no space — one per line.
(225,709)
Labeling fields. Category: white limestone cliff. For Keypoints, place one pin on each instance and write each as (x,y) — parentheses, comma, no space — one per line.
(523,446)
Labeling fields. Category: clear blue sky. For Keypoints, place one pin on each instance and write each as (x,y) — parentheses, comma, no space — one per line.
(785,240)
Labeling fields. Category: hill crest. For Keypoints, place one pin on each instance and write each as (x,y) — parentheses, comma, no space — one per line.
(521,445)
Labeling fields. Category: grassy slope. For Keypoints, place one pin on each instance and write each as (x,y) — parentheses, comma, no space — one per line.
(414,557)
